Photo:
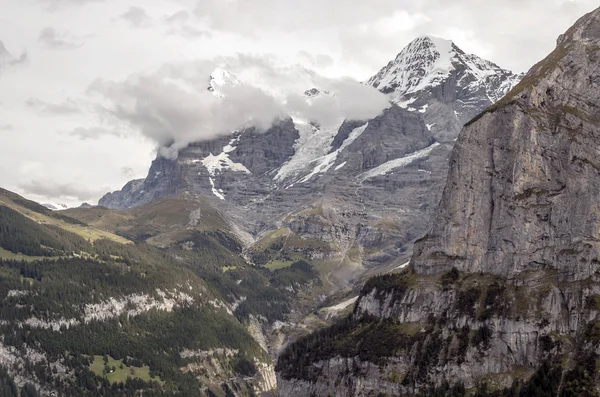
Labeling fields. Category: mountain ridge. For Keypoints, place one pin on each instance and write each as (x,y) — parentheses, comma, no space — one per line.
(373,183)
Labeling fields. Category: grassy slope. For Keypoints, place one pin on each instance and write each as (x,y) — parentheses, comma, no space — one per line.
(120,374)
(40,214)
(59,287)
(160,223)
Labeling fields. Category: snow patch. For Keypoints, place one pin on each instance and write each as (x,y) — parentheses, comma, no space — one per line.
(339,167)
(220,78)
(402,266)
(324,163)
(54,325)
(222,162)
(335,310)
(218,193)
(16,293)
(313,143)
(397,163)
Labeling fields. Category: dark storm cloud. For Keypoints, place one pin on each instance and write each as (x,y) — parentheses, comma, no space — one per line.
(53,38)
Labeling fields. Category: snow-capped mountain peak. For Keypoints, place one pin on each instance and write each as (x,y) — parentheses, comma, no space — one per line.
(55,206)
(425,61)
(429,61)
(220,78)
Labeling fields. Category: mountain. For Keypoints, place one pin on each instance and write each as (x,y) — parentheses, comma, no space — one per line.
(349,198)
(435,77)
(194,278)
(159,293)
(502,293)
(55,206)
(365,188)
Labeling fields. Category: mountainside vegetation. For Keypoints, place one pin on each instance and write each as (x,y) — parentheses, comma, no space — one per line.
(174,317)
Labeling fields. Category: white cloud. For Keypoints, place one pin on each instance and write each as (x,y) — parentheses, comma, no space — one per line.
(174,108)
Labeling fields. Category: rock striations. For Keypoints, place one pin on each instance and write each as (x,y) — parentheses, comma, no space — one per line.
(503,293)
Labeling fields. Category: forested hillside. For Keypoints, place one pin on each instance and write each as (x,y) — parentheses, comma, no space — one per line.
(100,317)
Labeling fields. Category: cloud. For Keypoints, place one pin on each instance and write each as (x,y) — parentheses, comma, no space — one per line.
(60,191)
(127,172)
(53,5)
(52,38)
(174,108)
(319,60)
(182,23)
(513,33)
(51,109)
(8,60)
(137,17)
(94,133)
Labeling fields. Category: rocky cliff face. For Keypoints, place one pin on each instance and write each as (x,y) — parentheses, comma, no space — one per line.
(503,290)
(522,191)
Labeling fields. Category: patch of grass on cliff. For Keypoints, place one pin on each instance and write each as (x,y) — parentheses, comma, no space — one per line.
(121,371)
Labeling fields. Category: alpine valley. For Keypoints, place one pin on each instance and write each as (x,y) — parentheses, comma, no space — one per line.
(245,265)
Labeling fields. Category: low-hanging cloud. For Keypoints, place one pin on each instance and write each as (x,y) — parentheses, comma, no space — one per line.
(174,107)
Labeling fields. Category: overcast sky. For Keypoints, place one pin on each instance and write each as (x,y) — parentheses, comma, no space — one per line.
(63,63)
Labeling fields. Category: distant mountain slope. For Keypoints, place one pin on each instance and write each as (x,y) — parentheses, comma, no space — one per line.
(41,214)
